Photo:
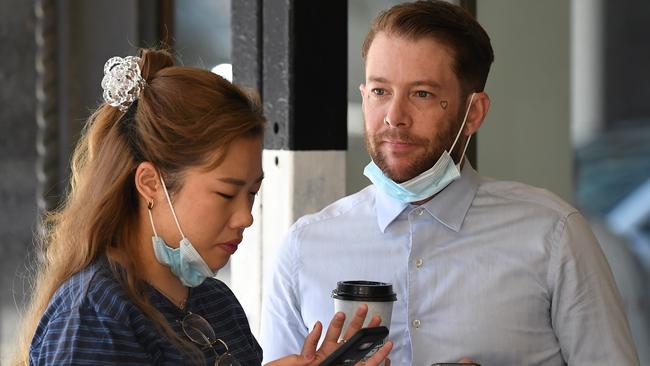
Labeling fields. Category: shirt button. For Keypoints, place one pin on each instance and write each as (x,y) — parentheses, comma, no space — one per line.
(418,262)
(416,323)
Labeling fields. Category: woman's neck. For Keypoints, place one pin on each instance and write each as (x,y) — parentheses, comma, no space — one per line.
(162,279)
(157,275)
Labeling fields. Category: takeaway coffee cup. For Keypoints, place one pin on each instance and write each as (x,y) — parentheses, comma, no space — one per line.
(379,296)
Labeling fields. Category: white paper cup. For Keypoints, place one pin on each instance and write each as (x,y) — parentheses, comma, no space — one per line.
(379,297)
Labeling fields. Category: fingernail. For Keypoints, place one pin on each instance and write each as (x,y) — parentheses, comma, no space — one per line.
(339,316)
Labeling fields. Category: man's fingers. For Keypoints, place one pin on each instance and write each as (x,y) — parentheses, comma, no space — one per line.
(467,360)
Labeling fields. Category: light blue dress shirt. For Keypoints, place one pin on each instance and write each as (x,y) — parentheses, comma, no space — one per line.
(500,272)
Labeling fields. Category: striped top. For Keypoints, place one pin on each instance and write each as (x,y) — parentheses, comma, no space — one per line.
(91,321)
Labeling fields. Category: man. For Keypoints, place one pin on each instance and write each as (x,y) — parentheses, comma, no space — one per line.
(498,272)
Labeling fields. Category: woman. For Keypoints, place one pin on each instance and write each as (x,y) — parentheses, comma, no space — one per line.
(162,186)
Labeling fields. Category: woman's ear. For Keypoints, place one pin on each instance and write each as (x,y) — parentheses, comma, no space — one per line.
(147,182)
(477,113)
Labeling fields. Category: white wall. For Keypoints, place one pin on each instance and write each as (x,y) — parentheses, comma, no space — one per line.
(526,136)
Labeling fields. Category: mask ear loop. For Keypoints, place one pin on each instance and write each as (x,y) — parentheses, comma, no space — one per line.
(465,149)
(461,130)
(149,208)
(171,207)
(463,125)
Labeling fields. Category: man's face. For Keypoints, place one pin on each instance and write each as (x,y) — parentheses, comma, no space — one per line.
(411,85)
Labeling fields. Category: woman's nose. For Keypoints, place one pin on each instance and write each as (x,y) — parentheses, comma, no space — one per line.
(242,217)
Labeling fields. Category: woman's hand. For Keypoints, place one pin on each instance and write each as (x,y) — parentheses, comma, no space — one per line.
(311,356)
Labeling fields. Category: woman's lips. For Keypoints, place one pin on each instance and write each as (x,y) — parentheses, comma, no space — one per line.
(230,247)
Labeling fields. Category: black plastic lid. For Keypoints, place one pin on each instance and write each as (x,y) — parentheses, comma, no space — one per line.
(364,291)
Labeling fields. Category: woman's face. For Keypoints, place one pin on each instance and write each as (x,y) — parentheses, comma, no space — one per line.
(214,207)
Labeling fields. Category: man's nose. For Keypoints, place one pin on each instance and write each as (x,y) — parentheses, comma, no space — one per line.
(397,113)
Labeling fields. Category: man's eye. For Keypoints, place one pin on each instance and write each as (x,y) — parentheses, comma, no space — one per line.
(379,91)
(422,94)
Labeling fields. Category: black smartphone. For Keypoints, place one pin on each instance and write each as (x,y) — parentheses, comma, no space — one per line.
(455,364)
(357,347)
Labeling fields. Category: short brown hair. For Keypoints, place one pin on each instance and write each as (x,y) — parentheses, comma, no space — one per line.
(447,23)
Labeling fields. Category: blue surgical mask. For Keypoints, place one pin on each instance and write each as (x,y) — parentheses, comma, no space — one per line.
(185,262)
(428,183)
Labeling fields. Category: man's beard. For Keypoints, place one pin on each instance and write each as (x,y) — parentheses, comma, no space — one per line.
(434,147)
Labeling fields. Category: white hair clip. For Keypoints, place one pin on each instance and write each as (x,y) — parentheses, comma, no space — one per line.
(122,82)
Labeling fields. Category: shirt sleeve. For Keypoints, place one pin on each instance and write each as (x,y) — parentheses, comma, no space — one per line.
(587,313)
(83,337)
(282,327)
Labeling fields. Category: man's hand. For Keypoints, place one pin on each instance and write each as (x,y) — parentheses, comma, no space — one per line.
(467,360)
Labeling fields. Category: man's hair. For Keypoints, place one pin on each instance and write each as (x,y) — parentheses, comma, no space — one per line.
(447,23)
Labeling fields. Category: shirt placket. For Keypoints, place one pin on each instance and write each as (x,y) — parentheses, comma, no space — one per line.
(416,264)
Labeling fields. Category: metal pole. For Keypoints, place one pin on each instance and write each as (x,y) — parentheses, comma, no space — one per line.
(46,106)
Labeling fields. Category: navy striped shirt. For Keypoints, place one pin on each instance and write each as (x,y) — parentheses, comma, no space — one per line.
(91,321)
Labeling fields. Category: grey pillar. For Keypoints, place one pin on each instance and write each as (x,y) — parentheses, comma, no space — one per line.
(17,158)
(294,53)
(47,167)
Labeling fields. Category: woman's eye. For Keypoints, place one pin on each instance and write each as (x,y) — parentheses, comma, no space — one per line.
(422,94)
(225,196)
(251,198)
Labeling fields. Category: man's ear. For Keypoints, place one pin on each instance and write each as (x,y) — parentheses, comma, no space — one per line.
(362,91)
(147,182)
(477,113)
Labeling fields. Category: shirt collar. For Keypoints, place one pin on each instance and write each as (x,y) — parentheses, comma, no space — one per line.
(387,209)
(449,206)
